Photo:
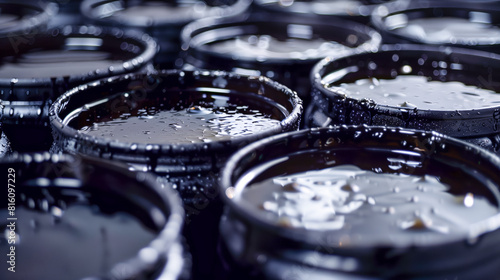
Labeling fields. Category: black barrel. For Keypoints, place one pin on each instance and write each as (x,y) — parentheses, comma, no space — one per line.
(283,48)
(68,14)
(35,70)
(453,91)
(360,202)
(469,24)
(183,126)
(24,18)
(161,19)
(357,10)
(73,217)
(173,122)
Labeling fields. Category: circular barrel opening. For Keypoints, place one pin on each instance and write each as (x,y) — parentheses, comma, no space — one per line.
(360,202)
(96,218)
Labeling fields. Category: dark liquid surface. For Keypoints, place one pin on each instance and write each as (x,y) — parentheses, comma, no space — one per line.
(150,12)
(193,125)
(364,207)
(261,47)
(4,145)
(198,117)
(320,6)
(8,21)
(418,92)
(57,63)
(65,236)
(441,30)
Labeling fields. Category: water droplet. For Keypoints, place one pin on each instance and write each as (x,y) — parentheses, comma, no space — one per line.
(149,255)
(371,200)
(31,203)
(175,126)
(468,200)
(198,110)
(219,82)
(407,104)
(406,69)
(230,192)
(34,224)
(417,224)
(56,212)
(389,210)
(291,187)
(350,187)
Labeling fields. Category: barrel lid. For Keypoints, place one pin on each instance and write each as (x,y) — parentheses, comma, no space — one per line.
(168,88)
(63,57)
(152,14)
(371,148)
(25,18)
(359,10)
(52,182)
(389,19)
(286,32)
(470,67)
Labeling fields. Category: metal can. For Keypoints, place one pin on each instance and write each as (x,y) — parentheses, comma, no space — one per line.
(468,24)
(82,218)
(360,202)
(283,48)
(161,19)
(37,69)
(444,89)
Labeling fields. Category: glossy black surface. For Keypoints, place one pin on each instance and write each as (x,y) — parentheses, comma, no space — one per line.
(441,64)
(469,24)
(262,249)
(96,218)
(283,48)
(161,19)
(35,71)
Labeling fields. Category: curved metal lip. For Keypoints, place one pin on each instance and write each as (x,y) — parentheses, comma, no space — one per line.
(478,113)
(219,27)
(88,8)
(47,10)
(171,148)
(147,42)
(490,224)
(166,237)
(364,8)
(407,6)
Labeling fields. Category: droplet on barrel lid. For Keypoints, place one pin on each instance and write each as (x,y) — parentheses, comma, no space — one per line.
(285,222)
(407,104)
(350,187)
(414,199)
(467,200)
(292,187)
(389,210)
(198,110)
(56,211)
(418,223)
(269,206)
(34,224)
(148,255)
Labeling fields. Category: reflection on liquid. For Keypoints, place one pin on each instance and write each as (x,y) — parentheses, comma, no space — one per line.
(419,92)
(366,208)
(196,124)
